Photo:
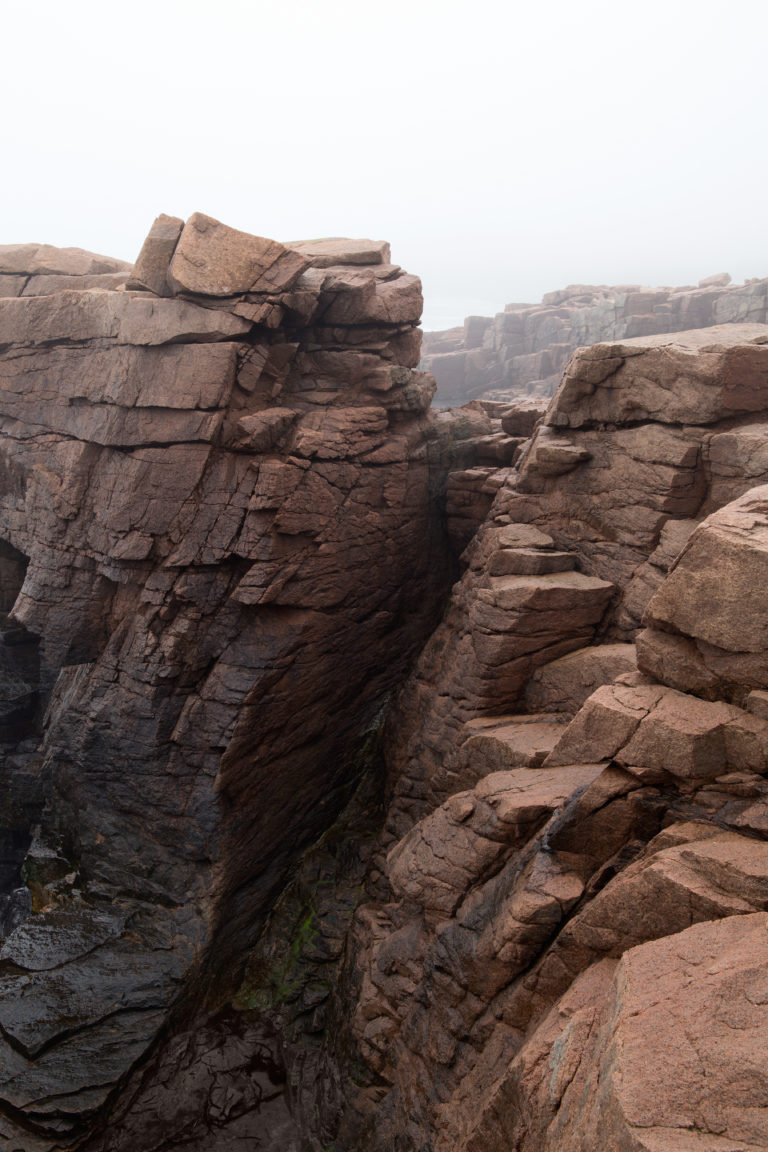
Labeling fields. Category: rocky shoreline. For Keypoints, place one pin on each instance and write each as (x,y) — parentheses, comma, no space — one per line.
(375,776)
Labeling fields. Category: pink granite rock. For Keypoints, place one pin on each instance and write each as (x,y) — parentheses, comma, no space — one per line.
(212,259)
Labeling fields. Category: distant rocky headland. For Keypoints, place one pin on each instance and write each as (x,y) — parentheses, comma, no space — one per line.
(377,776)
(525,348)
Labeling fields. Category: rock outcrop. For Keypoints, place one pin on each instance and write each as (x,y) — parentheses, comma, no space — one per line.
(566,926)
(525,348)
(290,860)
(219,555)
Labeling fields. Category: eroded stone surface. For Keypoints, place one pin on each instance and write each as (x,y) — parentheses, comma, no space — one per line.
(487,989)
(194,497)
(636,1068)
(212,259)
(463,960)
(520,354)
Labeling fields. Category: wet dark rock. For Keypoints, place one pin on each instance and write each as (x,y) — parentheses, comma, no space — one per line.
(15,907)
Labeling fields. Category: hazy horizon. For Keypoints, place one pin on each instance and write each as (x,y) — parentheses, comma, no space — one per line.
(503,151)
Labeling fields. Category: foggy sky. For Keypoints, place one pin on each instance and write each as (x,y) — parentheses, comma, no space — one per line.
(504,149)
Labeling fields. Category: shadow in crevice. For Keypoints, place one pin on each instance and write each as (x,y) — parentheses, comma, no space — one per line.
(20,719)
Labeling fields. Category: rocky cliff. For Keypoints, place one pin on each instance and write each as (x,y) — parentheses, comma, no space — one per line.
(300,852)
(567,948)
(219,554)
(525,348)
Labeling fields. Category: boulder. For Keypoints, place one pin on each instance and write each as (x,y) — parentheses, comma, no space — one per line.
(151,268)
(211,259)
(329,252)
(714,593)
(682,1014)
(565,684)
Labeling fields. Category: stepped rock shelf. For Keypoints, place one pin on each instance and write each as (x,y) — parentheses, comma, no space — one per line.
(525,348)
(374,778)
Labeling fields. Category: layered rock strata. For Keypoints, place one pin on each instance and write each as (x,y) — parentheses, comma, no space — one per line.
(525,348)
(219,554)
(520,905)
(565,931)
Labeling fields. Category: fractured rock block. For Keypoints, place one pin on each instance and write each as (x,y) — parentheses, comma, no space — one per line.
(553,455)
(681,735)
(658,729)
(565,684)
(604,724)
(522,416)
(523,743)
(151,267)
(530,562)
(582,597)
(715,592)
(676,660)
(340,250)
(695,377)
(685,1013)
(446,853)
(122,317)
(214,260)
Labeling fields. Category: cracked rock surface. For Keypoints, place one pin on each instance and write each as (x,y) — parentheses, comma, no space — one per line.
(564,955)
(219,555)
(292,861)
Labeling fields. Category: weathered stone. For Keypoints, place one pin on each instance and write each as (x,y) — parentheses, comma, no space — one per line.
(123,395)
(439,860)
(151,267)
(693,377)
(565,684)
(553,592)
(263,431)
(683,1013)
(47,285)
(57,937)
(530,562)
(675,660)
(41,259)
(681,735)
(12,285)
(757,703)
(524,742)
(326,253)
(214,260)
(553,456)
(521,417)
(608,719)
(124,318)
(714,593)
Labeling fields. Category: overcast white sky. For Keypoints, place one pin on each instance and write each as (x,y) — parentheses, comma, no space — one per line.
(504,149)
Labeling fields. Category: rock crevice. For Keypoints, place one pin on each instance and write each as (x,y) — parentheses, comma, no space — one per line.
(291,860)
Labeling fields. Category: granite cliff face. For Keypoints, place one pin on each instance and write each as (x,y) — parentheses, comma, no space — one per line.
(525,348)
(219,555)
(300,852)
(564,949)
